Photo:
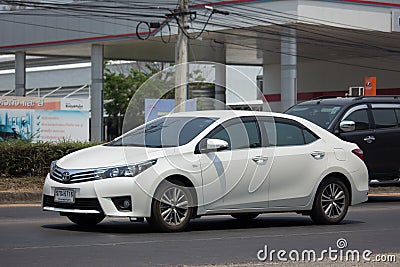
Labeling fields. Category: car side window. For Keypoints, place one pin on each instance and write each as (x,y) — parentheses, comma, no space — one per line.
(360,117)
(240,135)
(288,134)
(384,118)
(309,137)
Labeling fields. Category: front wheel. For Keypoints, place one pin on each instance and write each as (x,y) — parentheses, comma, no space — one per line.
(172,207)
(85,219)
(331,202)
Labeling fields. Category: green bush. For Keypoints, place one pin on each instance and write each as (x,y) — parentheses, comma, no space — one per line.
(20,158)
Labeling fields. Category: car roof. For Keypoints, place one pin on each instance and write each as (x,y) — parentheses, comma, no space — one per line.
(226,114)
(223,115)
(344,101)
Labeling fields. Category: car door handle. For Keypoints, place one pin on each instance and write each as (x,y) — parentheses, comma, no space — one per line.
(318,154)
(369,139)
(259,159)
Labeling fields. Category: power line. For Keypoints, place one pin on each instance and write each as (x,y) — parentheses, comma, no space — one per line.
(257,12)
(308,57)
(90,9)
(263,16)
(301,56)
(336,39)
(147,6)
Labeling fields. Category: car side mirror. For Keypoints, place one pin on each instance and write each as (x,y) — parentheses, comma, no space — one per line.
(213,145)
(347,126)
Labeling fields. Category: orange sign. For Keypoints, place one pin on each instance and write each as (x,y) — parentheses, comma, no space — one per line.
(15,102)
(370,86)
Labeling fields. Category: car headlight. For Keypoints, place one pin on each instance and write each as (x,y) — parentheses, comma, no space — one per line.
(129,170)
(53,165)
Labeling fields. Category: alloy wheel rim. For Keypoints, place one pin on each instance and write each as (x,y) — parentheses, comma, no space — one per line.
(333,201)
(174,206)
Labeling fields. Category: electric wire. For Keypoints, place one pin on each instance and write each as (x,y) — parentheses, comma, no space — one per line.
(108,11)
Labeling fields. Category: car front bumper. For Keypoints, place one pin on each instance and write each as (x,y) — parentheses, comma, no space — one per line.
(97,197)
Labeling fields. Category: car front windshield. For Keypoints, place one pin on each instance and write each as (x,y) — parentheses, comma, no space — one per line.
(164,132)
(321,115)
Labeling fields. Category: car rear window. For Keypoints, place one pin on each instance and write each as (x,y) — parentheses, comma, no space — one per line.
(321,115)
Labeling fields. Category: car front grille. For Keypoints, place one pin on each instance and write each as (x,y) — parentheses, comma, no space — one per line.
(72,176)
(80,204)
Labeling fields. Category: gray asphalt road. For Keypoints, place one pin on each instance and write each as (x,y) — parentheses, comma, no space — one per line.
(30,237)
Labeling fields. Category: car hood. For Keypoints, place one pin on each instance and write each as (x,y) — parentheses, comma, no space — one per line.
(106,156)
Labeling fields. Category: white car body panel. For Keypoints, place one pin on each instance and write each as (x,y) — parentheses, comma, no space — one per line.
(287,188)
(227,176)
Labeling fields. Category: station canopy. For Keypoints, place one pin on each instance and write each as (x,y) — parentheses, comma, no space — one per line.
(251,34)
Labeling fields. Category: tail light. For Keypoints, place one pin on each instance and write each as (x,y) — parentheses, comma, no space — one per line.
(359,153)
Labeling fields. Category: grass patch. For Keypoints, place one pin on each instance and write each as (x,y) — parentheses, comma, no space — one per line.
(21,184)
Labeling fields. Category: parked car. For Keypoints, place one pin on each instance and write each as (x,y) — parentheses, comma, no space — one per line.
(372,122)
(191,164)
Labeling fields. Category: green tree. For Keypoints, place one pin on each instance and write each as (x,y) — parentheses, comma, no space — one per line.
(119,88)
(125,111)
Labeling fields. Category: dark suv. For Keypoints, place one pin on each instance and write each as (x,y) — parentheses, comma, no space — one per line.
(372,122)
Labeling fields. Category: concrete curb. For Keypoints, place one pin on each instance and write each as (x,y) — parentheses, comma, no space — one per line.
(20,197)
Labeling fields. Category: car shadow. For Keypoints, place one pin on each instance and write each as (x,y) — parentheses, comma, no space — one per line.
(383,198)
(197,225)
(205,224)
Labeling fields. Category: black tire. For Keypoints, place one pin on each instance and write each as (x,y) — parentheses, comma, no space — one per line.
(331,202)
(245,216)
(169,214)
(85,219)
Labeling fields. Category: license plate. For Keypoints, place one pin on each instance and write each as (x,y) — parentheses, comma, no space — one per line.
(62,195)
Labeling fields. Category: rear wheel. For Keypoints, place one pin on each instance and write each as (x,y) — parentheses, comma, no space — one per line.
(331,202)
(85,219)
(245,216)
(172,207)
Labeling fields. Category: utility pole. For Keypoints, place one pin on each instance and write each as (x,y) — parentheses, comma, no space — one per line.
(181,58)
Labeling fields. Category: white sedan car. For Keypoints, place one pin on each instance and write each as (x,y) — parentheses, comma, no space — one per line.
(190,164)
